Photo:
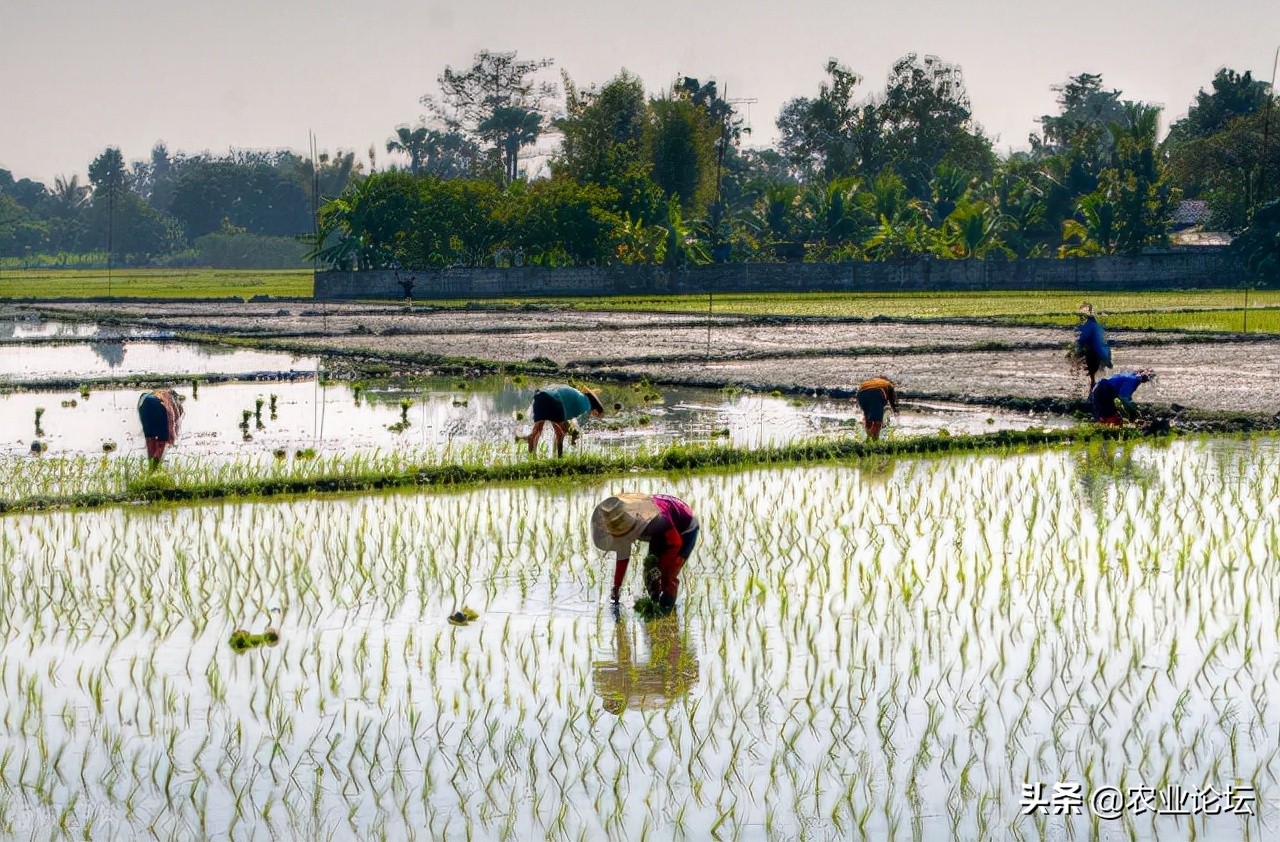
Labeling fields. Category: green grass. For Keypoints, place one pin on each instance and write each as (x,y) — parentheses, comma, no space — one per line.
(1261,320)
(79,484)
(154,283)
(1052,305)
(1216,310)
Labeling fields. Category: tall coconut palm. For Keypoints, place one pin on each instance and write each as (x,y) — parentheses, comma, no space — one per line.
(510,129)
(69,195)
(415,143)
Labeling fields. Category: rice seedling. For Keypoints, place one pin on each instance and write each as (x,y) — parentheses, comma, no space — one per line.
(863,648)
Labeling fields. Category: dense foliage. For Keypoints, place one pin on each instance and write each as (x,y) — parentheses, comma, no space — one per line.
(857,175)
(245,209)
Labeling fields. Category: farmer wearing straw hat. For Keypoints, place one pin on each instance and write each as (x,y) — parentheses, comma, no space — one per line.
(1091,351)
(161,414)
(1112,397)
(560,406)
(666,522)
(873,396)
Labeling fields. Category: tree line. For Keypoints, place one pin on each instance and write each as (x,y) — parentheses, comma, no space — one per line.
(856,174)
(246,207)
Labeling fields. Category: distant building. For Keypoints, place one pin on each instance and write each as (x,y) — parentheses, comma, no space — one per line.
(1190,213)
(1186,226)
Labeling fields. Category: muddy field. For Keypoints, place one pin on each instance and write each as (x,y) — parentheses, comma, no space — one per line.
(1239,377)
(927,358)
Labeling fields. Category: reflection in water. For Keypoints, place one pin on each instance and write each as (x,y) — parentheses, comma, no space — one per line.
(875,471)
(670,671)
(111,353)
(1104,465)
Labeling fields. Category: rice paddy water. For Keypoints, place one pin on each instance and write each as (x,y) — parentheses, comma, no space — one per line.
(93,441)
(125,358)
(893,649)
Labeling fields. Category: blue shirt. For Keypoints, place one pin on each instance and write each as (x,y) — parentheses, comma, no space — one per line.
(1089,338)
(575,403)
(1124,384)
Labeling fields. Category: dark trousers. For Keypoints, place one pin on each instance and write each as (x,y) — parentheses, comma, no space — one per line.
(662,578)
(547,408)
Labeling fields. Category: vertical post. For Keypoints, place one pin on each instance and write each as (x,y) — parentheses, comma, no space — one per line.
(111,229)
(315,224)
(711,281)
(719,210)
(1266,131)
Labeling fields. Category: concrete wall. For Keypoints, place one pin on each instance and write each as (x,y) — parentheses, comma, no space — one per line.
(1205,267)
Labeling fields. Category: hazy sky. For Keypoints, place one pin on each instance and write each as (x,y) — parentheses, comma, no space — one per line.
(79,75)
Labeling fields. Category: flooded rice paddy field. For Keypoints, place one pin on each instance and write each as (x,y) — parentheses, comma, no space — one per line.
(294,318)
(892,649)
(449,418)
(934,360)
(28,328)
(926,359)
(91,360)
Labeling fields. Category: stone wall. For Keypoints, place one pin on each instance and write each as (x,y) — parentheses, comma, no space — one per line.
(1198,268)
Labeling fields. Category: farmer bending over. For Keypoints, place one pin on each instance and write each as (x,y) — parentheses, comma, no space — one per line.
(1113,396)
(161,414)
(559,406)
(873,396)
(666,522)
(1091,350)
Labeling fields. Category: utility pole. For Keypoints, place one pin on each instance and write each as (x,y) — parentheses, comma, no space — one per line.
(1262,176)
(111,231)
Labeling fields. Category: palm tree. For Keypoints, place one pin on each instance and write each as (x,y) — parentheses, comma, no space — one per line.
(340,240)
(974,229)
(830,213)
(1020,201)
(325,177)
(947,189)
(509,129)
(1144,196)
(69,195)
(414,142)
(1097,229)
(899,223)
